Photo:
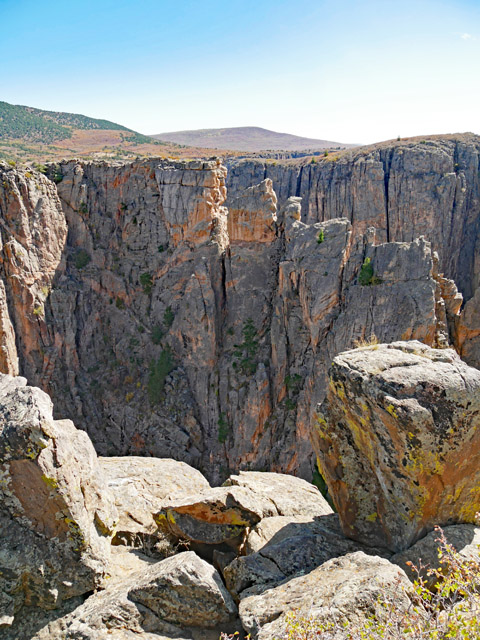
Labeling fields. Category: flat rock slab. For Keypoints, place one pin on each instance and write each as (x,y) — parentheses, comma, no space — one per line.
(219,515)
(141,486)
(291,496)
(347,588)
(398,439)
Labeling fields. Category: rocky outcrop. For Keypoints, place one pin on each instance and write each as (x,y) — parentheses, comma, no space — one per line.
(140,486)
(167,326)
(345,590)
(396,441)
(56,514)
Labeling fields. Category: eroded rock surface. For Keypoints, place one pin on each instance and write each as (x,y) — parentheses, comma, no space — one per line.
(140,486)
(344,588)
(56,513)
(396,440)
(166,325)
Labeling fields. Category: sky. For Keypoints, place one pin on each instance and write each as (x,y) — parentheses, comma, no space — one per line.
(343,70)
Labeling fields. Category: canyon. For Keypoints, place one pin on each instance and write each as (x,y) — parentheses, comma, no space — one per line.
(190,310)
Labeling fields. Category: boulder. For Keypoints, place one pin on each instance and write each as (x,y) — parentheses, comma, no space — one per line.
(223,514)
(345,589)
(185,590)
(140,487)
(397,440)
(291,496)
(56,513)
(286,547)
(219,515)
(180,597)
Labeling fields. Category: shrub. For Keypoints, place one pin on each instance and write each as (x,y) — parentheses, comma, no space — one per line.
(325,154)
(159,370)
(157,334)
(82,258)
(223,429)
(366,276)
(246,351)
(83,207)
(321,237)
(168,317)
(313,161)
(41,168)
(119,303)
(147,283)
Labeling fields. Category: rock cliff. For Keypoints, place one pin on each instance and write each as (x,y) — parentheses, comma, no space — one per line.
(169,318)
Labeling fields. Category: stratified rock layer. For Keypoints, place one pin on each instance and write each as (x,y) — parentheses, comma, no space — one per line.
(397,441)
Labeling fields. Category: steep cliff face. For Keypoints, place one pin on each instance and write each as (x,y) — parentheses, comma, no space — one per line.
(166,324)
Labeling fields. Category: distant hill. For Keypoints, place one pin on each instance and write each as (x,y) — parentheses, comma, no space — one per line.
(28,134)
(36,125)
(246,139)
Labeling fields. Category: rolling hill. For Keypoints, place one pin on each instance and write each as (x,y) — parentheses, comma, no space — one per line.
(246,139)
(28,134)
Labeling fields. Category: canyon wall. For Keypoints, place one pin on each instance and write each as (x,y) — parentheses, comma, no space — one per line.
(168,317)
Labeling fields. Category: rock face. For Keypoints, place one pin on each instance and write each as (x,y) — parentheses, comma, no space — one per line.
(346,589)
(167,325)
(396,441)
(56,515)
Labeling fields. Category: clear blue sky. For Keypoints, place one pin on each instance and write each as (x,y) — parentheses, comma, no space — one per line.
(344,70)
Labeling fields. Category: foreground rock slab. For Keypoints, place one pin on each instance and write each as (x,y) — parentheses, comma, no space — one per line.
(397,441)
(140,487)
(344,588)
(56,514)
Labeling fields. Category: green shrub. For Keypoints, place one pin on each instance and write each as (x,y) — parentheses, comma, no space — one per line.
(119,303)
(246,351)
(159,370)
(366,276)
(157,334)
(223,429)
(83,207)
(41,168)
(82,258)
(313,161)
(168,317)
(161,248)
(325,154)
(147,283)
(321,237)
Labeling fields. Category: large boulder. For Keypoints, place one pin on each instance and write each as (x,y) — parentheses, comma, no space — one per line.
(291,546)
(140,487)
(224,514)
(56,514)
(347,589)
(397,441)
